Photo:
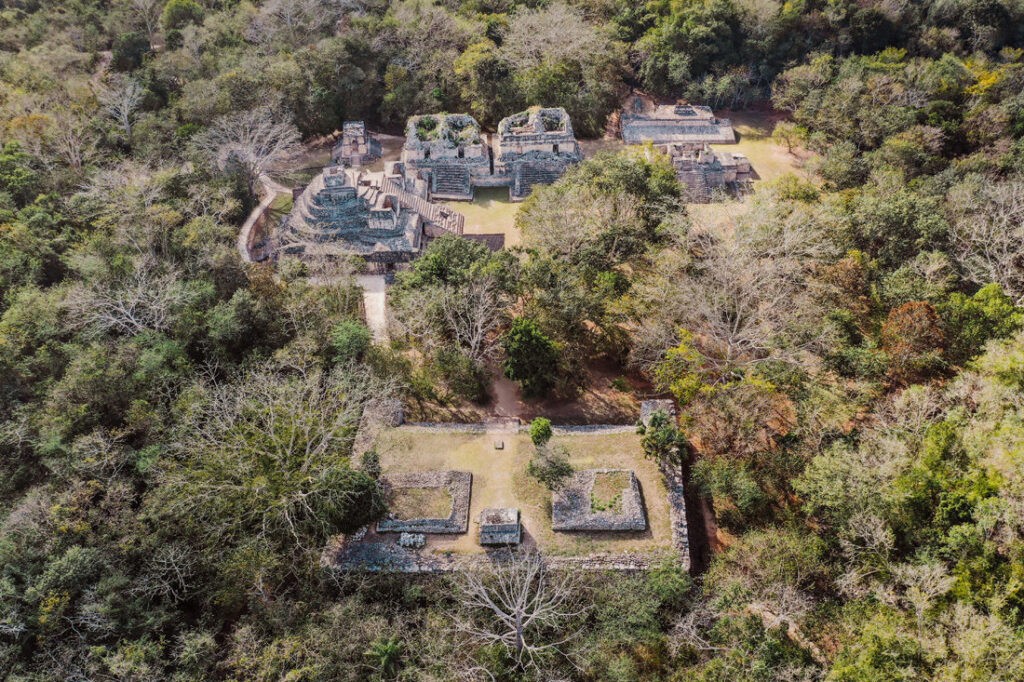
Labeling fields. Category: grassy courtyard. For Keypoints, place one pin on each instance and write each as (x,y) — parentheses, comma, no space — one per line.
(490,212)
(500,480)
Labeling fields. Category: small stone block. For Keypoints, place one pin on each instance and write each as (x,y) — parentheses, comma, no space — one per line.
(499,445)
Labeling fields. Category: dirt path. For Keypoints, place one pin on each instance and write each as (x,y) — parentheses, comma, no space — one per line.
(271,190)
(375,304)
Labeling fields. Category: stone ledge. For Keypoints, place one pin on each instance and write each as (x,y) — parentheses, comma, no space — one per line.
(571,505)
(458,483)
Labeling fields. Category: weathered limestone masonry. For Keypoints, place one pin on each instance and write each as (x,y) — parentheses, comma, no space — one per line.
(459,485)
(447,157)
(572,504)
(346,212)
(534,147)
(359,552)
(500,527)
(704,171)
(671,123)
(442,155)
(673,481)
(685,132)
(356,147)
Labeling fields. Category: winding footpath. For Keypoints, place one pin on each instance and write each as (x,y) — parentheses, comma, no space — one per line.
(271,190)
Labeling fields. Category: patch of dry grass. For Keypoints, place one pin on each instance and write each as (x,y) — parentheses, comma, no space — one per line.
(421,503)
(490,212)
(606,494)
(500,480)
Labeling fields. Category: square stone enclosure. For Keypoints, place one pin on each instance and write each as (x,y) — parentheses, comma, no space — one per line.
(572,505)
(458,484)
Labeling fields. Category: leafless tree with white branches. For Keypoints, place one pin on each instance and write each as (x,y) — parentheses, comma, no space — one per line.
(472,313)
(742,293)
(250,141)
(141,301)
(987,231)
(523,605)
(295,22)
(121,98)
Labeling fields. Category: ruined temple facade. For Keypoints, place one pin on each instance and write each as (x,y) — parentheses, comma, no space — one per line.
(356,147)
(446,156)
(347,212)
(644,122)
(705,171)
(534,147)
(443,155)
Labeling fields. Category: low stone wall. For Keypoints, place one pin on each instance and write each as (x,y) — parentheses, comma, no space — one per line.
(378,414)
(459,485)
(571,505)
(378,557)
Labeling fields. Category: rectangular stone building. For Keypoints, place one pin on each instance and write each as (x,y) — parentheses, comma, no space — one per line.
(356,147)
(674,123)
(446,156)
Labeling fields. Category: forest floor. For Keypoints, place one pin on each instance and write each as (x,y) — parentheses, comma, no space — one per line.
(608,395)
(500,480)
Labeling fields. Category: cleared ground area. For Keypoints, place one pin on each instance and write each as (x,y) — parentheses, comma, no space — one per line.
(490,212)
(500,480)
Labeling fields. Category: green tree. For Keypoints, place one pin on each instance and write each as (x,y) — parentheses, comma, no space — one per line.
(531,358)
(540,431)
(350,339)
(972,321)
(662,440)
(179,13)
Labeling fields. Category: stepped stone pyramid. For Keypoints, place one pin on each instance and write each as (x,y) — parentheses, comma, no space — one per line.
(346,212)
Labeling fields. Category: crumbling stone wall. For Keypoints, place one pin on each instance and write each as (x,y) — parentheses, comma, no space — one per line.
(571,505)
(457,483)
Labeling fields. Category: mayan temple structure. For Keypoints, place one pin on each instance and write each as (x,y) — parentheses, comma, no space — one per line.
(534,147)
(446,156)
(705,171)
(343,211)
(672,123)
(356,147)
(443,154)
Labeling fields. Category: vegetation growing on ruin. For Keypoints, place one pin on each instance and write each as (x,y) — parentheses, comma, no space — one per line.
(176,425)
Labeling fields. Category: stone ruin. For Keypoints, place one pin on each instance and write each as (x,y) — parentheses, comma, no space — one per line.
(704,171)
(344,211)
(648,408)
(500,526)
(458,484)
(356,147)
(446,156)
(443,154)
(534,147)
(572,505)
(642,122)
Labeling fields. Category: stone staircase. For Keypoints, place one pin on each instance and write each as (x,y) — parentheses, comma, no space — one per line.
(451,181)
(446,218)
(530,175)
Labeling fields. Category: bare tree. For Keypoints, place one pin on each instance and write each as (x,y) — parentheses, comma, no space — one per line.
(121,98)
(741,296)
(72,139)
(250,141)
(987,231)
(295,22)
(141,301)
(148,12)
(472,314)
(522,605)
(550,35)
